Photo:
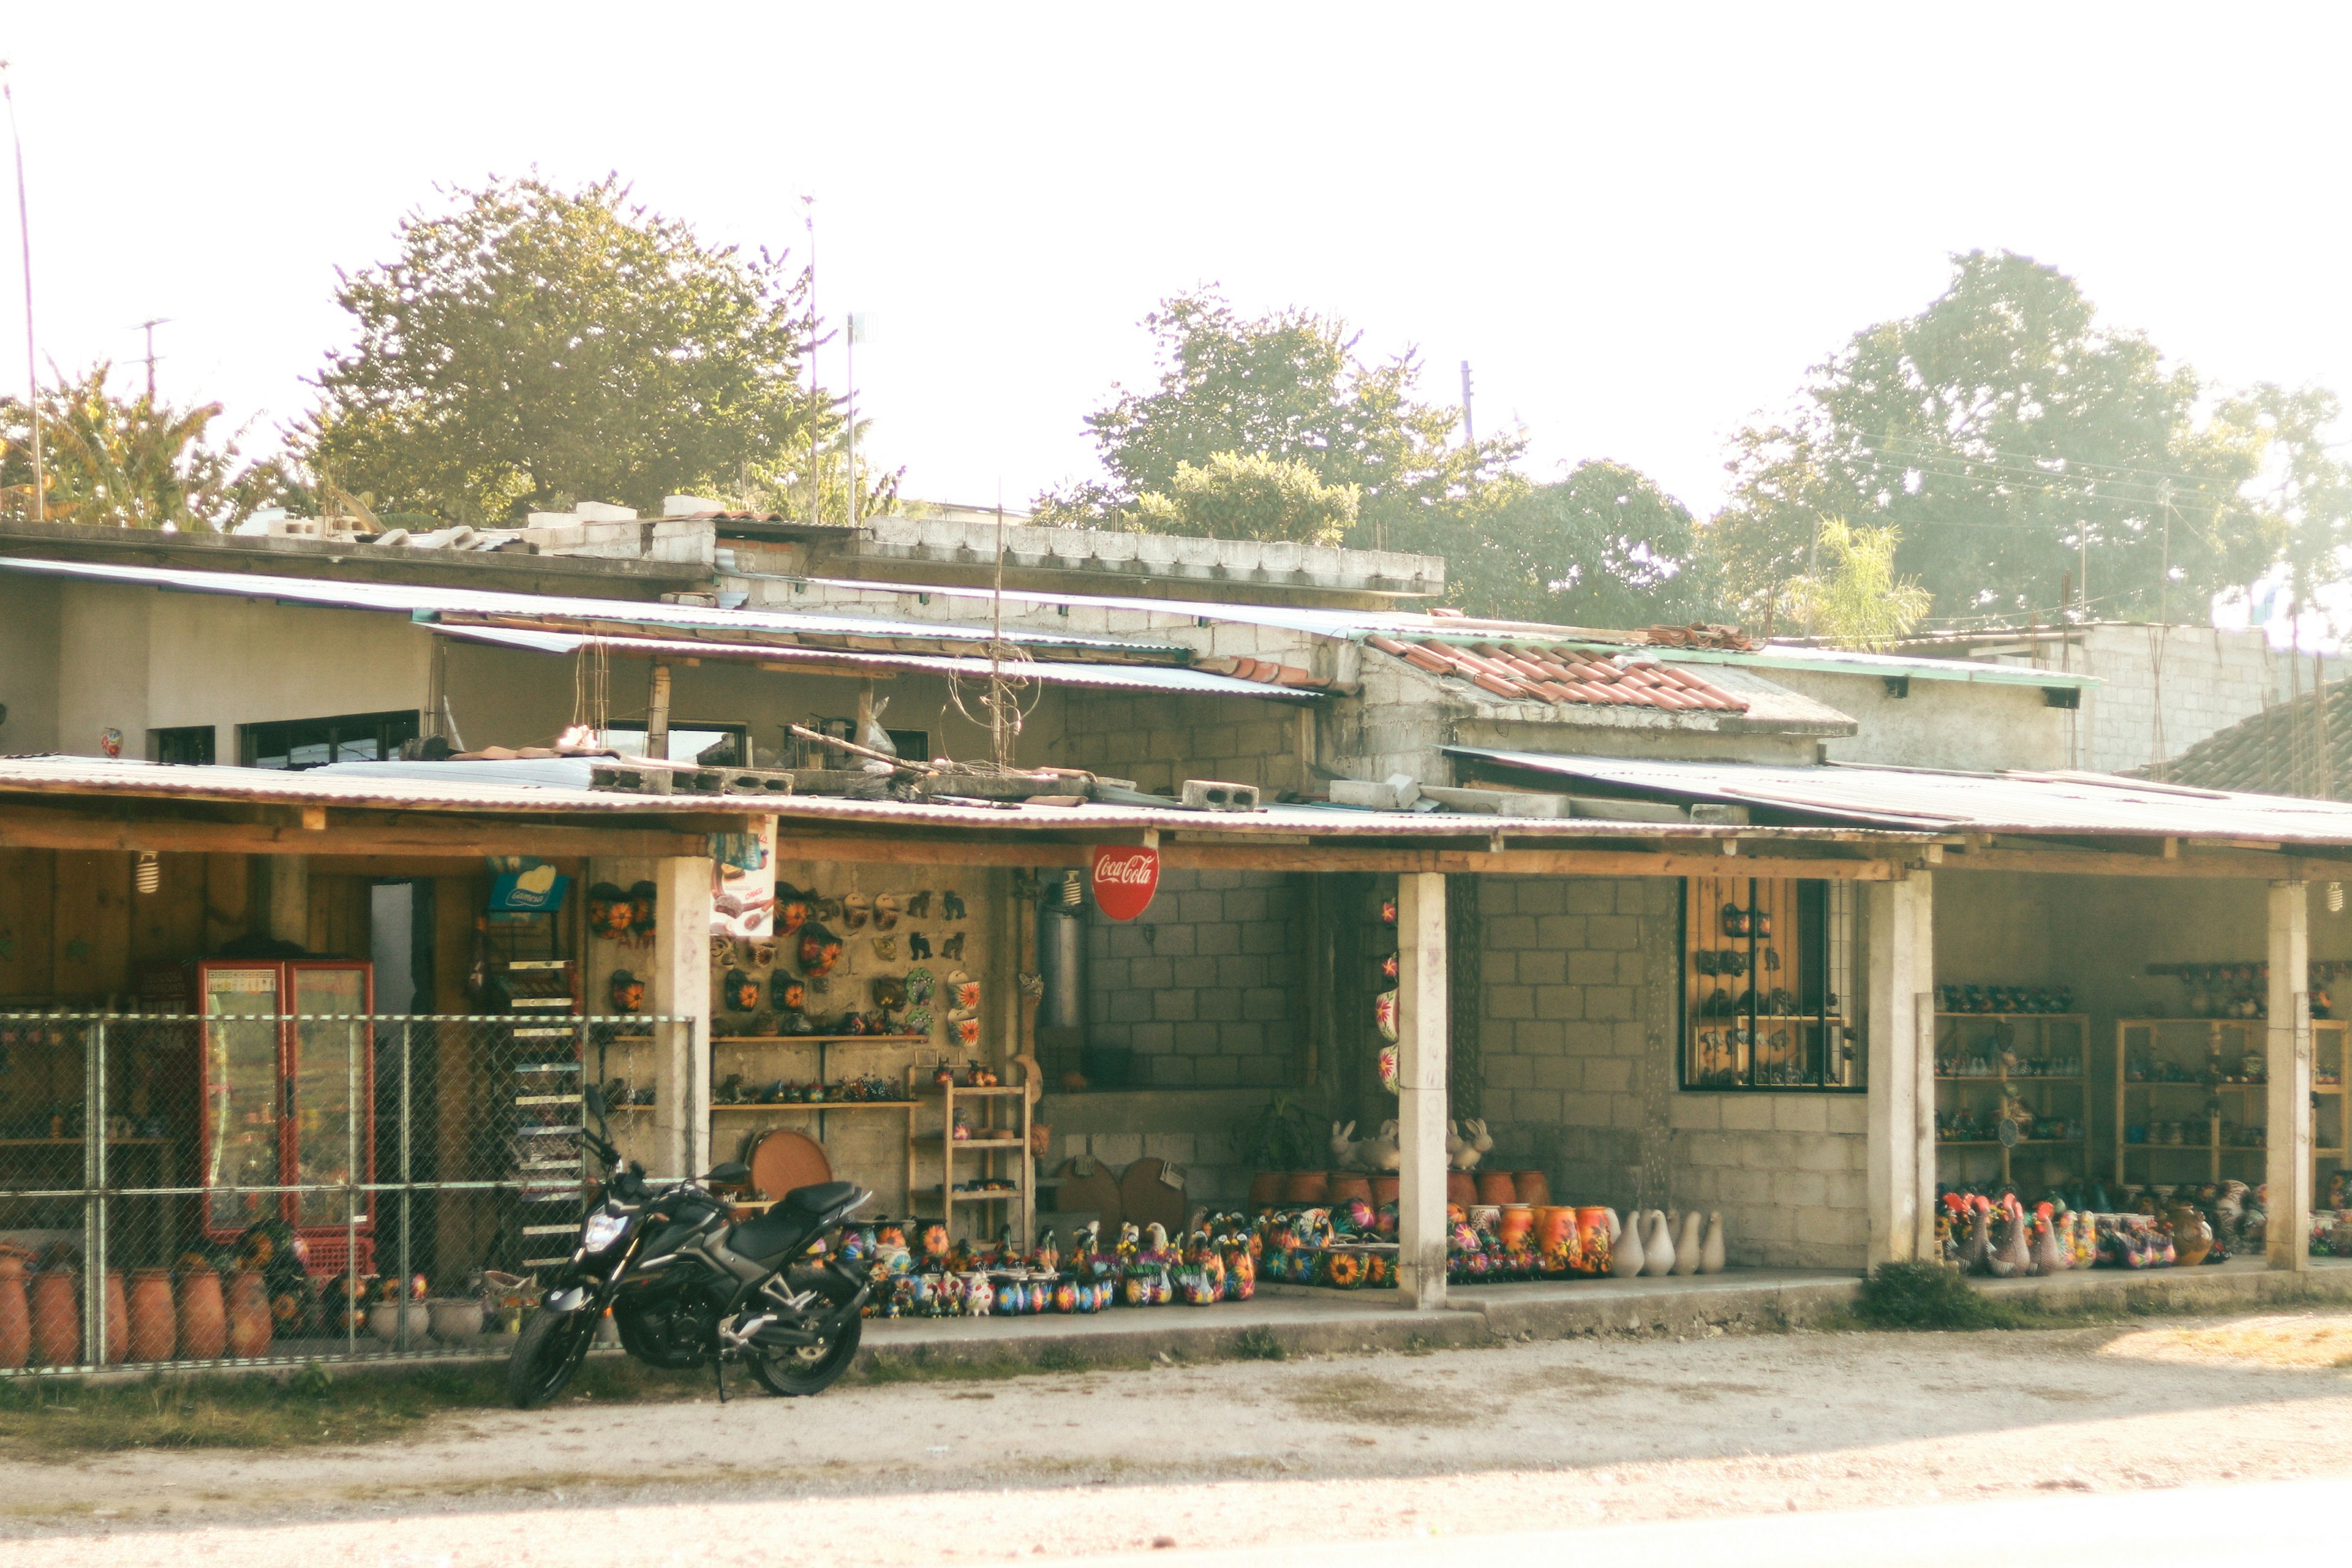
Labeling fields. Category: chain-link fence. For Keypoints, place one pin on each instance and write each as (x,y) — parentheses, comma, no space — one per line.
(259,1187)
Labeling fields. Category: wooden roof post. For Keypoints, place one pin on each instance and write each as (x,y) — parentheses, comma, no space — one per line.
(1900,1025)
(2287,1163)
(1422,1013)
(680,983)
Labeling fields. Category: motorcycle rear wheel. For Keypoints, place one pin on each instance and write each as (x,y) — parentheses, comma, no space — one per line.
(811,1369)
(547,1353)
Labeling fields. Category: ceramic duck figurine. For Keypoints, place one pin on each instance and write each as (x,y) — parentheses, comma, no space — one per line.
(1977,1248)
(2015,1258)
(1687,1245)
(1710,1257)
(1658,1245)
(1625,1254)
(2047,1257)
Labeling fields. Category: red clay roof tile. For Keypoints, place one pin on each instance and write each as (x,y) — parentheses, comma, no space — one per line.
(1553,672)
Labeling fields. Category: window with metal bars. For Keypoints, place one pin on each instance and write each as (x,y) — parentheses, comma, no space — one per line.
(1768,985)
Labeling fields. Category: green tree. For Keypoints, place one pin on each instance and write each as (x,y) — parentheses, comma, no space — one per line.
(1857,600)
(1249,496)
(1288,387)
(535,346)
(120,462)
(2303,491)
(1602,547)
(2009,435)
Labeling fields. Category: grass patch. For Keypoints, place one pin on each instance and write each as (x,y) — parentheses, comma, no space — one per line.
(1257,1344)
(920,1366)
(1928,1296)
(310,1407)
(1359,1399)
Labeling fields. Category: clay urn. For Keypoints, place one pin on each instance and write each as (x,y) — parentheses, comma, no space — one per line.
(1306,1189)
(203,1315)
(56,1318)
(2192,1238)
(16,1313)
(1534,1186)
(1346,1184)
(1266,1188)
(1460,1190)
(118,1318)
(1495,1188)
(248,1313)
(154,1321)
(1386,1186)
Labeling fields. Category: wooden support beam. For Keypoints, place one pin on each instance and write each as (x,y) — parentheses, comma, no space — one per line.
(397,835)
(1424,1013)
(2097,863)
(2286,1164)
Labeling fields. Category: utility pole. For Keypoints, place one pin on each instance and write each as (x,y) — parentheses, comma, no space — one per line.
(32,361)
(149,326)
(855,333)
(1469,429)
(816,425)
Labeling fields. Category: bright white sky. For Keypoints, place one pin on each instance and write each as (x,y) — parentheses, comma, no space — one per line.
(1639,224)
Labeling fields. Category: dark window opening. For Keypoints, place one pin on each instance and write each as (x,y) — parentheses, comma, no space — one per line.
(299,743)
(1769,976)
(190,745)
(717,745)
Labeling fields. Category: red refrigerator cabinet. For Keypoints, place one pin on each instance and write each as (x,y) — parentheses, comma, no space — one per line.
(288,1101)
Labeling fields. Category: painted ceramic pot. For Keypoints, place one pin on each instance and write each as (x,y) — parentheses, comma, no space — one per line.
(1460,1190)
(1385,1187)
(1497,1187)
(249,1324)
(118,1318)
(1307,1188)
(1593,1239)
(2192,1238)
(1533,1186)
(1265,1188)
(15,1314)
(1348,1185)
(1516,1221)
(204,1316)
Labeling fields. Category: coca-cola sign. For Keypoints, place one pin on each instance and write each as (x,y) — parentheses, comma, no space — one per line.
(1125,877)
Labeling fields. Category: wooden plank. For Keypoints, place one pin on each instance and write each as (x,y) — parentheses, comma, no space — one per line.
(415,836)
(228,891)
(28,881)
(167,926)
(93,924)
(2092,863)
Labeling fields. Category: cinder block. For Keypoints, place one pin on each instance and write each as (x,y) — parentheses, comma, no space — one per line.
(1747,1113)
(1800,1114)
(1693,1111)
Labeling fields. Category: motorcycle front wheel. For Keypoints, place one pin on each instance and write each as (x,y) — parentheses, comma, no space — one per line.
(809,1369)
(547,1353)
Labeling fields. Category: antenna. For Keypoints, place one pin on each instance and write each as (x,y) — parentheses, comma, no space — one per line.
(149,326)
(816,425)
(32,371)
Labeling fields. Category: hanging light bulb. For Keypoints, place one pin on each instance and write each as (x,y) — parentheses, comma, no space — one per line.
(2335,897)
(149,876)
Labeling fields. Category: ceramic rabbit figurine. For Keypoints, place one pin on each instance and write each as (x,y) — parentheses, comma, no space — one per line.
(1658,1245)
(1687,1245)
(1345,1149)
(1383,1152)
(1625,1257)
(1482,1142)
(1711,1250)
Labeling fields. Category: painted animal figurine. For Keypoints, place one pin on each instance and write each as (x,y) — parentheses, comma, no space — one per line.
(1345,1152)
(1480,1139)
(1626,1257)
(1977,1251)
(1688,1245)
(1383,1152)
(1459,1154)
(1711,1249)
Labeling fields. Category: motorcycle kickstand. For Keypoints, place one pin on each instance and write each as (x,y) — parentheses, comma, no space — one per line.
(719,1365)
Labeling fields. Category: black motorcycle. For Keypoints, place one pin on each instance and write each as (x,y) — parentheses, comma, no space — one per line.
(688,1287)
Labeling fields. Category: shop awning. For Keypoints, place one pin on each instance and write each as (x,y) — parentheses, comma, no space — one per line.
(2053,802)
(1105,677)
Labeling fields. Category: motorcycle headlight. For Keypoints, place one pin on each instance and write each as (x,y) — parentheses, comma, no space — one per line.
(602,1231)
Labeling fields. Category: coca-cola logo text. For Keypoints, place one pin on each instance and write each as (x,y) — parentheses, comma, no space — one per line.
(1124,880)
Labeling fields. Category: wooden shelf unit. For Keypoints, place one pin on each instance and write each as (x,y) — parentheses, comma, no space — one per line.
(721,1045)
(2050,1035)
(2194,1042)
(999,1141)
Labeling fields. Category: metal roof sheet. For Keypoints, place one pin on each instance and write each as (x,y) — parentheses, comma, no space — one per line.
(2057,801)
(475,786)
(424,601)
(1061,672)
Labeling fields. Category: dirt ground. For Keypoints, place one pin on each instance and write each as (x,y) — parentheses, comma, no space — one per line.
(1532,1436)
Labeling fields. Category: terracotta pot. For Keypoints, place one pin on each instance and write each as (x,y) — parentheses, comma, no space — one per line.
(1517,1221)
(56,1318)
(1497,1187)
(118,1318)
(248,1313)
(15,1317)
(1266,1188)
(1385,1187)
(1593,1239)
(1556,1228)
(1460,1190)
(1534,1186)
(2192,1238)
(154,1321)
(1306,1189)
(1346,1184)
(203,1317)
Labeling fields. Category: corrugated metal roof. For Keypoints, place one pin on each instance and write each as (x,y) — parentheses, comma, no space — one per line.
(474,787)
(1060,672)
(2069,803)
(428,601)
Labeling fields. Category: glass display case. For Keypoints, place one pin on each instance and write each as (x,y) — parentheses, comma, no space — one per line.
(287,1102)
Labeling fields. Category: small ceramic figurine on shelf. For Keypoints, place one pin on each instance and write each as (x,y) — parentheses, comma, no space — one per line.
(1711,1250)
(1688,1245)
(1626,1257)
(1657,1246)
(626,992)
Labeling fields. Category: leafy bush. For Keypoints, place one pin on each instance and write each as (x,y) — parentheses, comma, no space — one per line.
(1926,1295)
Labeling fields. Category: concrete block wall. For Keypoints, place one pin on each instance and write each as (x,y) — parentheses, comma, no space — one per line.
(1203,987)
(2211,679)
(1161,740)
(1579,1032)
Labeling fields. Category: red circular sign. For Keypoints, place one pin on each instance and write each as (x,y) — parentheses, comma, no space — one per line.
(1125,877)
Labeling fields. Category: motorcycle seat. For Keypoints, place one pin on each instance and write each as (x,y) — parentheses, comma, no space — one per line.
(823,1197)
(768,1234)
